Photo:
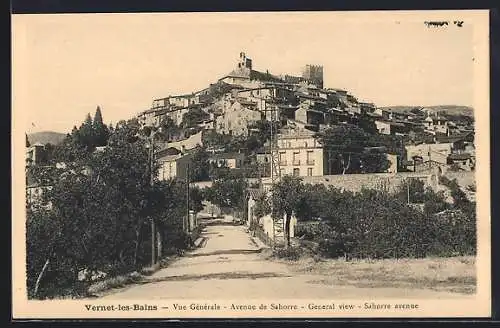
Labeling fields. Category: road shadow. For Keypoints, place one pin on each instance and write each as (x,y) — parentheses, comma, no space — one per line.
(217,261)
(215,222)
(226,252)
(221,275)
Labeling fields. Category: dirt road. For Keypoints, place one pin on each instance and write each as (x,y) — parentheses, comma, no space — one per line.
(229,266)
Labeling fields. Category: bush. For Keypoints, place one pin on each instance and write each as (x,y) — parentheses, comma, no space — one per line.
(290,253)
(99,220)
(313,230)
(375,224)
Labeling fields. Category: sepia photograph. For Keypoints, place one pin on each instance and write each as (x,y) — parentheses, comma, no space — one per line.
(287,164)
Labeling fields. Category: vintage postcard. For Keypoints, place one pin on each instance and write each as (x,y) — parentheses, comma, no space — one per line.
(251,165)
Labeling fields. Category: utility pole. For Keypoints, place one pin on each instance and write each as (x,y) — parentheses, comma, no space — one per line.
(429,157)
(187,227)
(151,183)
(408,190)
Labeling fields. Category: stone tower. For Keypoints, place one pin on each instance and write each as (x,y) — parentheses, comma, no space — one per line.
(313,74)
(245,62)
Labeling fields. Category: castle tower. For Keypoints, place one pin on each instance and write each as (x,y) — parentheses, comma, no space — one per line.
(245,62)
(313,74)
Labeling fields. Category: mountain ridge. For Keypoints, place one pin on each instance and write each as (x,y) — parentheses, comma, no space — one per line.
(45,137)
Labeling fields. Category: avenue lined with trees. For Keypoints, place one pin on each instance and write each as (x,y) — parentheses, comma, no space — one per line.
(101,205)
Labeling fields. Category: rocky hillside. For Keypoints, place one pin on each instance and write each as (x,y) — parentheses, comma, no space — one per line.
(46,137)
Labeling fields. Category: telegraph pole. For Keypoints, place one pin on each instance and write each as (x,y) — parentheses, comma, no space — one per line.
(187,227)
(408,191)
(151,183)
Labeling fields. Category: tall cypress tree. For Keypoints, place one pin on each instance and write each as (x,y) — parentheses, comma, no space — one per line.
(86,133)
(101,131)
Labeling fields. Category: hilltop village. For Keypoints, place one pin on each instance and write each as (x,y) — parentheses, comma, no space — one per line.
(279,163)
(300,108)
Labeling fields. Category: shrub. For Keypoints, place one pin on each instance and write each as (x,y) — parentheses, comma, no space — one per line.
(375,224)
(290,253)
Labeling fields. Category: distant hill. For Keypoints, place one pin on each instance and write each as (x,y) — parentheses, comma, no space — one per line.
(448,109)
(46,137)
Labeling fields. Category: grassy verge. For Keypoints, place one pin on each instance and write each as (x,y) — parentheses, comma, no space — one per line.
(453,274)
(107,285)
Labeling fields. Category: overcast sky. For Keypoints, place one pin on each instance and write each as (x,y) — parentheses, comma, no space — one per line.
(66,65)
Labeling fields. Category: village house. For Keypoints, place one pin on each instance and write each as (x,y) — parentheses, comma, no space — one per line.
(238,117)
(193,141)
(152,117)
(35,154)
(393,163)
(436,125)
(428,154)
(391,127)
(300,153)
(384,113)
(173,164)
(463,161)
(230,160)
(366,107)
(310,116)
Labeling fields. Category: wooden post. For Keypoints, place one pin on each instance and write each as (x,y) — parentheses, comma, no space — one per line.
(188,227)
(151,182)
(408,190)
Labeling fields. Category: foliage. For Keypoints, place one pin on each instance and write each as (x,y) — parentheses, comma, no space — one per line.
(194,116)
(411,190)
(345,146)
(100,218)
(199,167)
(100,130)
(286,197)
(289,253)
(377,224)
(228,193)
(81,142)
(262,206)
(171,129)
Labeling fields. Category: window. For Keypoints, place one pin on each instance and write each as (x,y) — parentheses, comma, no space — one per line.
(305,144)
(283,158)
(296,158)
(310,159)
(296,171)
(309,171)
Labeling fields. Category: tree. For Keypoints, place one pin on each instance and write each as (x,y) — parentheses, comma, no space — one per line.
(70,149)
(101,209)
(349,150)
(101,131)
(27,141)
(171,129)
(193,117)
(228,193)
(286,194)
(199,168)
(373,161)
(367,124)
(343,145)
(86,134)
